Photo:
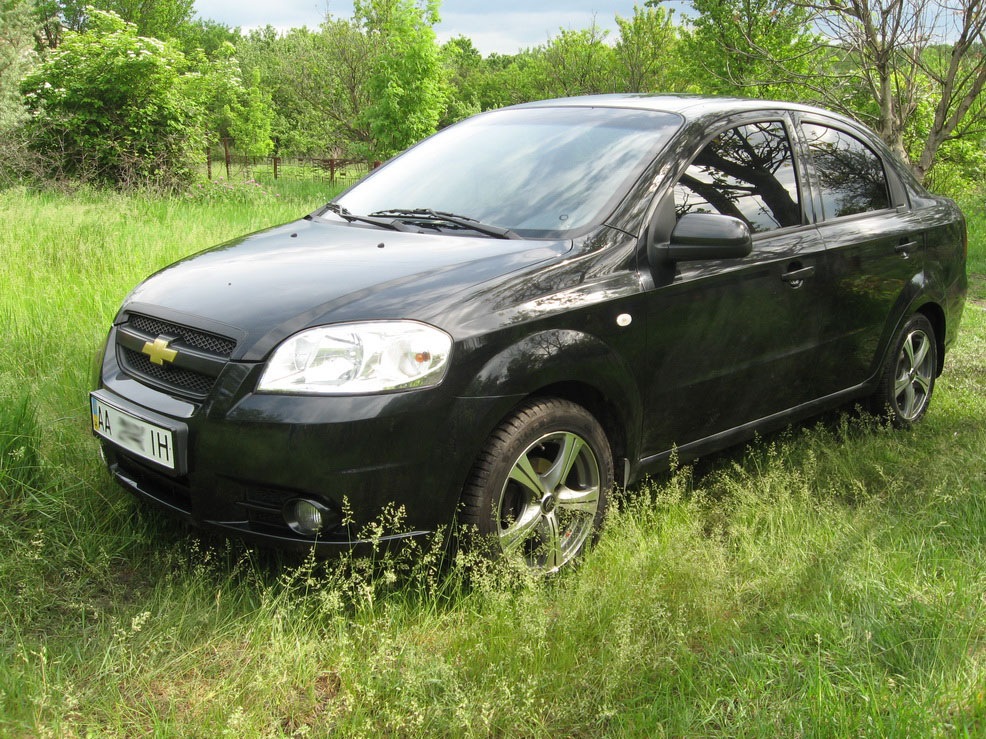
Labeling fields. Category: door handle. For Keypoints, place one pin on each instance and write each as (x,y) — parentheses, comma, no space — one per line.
(798,275)
(905,248)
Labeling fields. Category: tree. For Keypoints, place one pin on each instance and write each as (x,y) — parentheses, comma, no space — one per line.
(406,78)
(17,25)
(578,62)
(112,107)
(464,72)
(511,79)
(54,17)
(571,63)
(207,35)
(755,48)
(646,57)
(163,19)
(910,69)
(230,111)
(318,83)
(910,51)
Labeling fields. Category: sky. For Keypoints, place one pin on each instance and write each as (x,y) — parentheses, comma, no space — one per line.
(504,26)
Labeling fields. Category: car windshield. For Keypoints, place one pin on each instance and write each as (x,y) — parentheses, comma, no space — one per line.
(540,172)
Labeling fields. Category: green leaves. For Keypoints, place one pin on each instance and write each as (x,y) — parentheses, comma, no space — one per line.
(110,106)
(406,80)
(113,107)
(16,26)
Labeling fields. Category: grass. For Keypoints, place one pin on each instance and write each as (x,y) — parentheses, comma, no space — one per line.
(827,581)
(974,207)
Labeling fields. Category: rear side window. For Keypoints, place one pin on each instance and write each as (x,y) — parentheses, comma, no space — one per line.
(850,174)
(746,172)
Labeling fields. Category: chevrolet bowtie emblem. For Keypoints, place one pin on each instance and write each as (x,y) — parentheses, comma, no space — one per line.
(158,351)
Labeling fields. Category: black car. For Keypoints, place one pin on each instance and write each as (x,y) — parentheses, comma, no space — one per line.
(525,309)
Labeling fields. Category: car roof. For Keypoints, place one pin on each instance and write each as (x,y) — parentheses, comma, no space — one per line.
(689,107)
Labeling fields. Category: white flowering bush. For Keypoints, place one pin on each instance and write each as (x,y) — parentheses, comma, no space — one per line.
(109,106)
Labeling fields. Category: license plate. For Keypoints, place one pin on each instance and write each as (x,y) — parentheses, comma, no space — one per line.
(138,436)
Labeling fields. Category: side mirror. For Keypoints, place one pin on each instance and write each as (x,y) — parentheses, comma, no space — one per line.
(706,236)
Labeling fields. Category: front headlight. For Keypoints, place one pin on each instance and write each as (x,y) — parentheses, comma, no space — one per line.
(358,358)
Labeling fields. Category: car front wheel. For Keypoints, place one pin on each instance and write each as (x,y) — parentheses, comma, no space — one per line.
(539,489)
(909,375)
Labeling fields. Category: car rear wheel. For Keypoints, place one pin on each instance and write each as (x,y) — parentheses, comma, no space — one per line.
(539,489)
(909,375)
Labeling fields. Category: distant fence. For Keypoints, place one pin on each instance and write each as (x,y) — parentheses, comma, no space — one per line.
(224,162)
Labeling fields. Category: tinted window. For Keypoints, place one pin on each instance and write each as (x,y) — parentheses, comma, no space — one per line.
(851,176)
(538,171)
(746,172)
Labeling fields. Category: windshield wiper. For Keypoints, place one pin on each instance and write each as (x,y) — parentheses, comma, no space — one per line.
(391,223)
(427,214)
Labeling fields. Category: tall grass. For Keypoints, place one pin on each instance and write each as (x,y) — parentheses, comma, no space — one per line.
(973,204)
(826,581)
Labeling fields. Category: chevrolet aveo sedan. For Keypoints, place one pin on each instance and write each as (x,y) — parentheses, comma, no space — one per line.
(525,310)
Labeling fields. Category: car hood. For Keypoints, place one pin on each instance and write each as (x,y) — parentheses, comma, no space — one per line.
(266,286)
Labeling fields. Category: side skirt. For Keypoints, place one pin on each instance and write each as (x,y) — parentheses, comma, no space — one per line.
(730,437)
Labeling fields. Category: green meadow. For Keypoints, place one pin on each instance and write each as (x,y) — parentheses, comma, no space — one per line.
(829,580)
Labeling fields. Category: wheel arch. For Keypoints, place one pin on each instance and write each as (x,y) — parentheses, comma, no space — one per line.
(608,415)
(574,366)
(936,315)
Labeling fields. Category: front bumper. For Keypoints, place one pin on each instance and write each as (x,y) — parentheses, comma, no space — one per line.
(390,467)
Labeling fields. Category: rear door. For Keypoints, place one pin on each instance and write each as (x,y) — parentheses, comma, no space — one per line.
(875,249)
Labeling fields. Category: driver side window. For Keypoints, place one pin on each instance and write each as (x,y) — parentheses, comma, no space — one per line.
(746,172)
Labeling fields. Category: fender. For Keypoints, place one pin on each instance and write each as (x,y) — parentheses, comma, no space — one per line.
(920,294)
(567,362)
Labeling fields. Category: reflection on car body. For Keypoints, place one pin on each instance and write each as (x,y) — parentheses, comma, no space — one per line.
(531,306)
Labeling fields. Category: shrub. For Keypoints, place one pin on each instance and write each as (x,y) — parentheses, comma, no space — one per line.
(109,106)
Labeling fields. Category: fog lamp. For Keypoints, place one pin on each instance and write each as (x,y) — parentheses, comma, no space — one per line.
(308,517)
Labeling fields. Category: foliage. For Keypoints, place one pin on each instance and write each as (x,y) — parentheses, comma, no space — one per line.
(578,63)
(752,48)
(370,85)
(406,79)
(206,35)
(111,106)
(114,107)
(163,19)
(647,54)
(54,17)
(886,59)
(960,163)
(242,115)
(464,71)
(507,80)
(16,28)
(575,62)
(317,81)
(366,87)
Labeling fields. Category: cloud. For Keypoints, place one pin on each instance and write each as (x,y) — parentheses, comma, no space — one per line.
(282,14)
(511,25)
(508,32)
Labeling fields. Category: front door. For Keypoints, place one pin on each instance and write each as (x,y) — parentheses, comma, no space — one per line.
(734,341)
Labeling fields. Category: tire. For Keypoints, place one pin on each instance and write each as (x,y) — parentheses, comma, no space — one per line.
(539,489)
(908,377)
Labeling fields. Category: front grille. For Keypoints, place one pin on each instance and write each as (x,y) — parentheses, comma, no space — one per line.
(209,343)
(201,355)
(172,378)
(153,483)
